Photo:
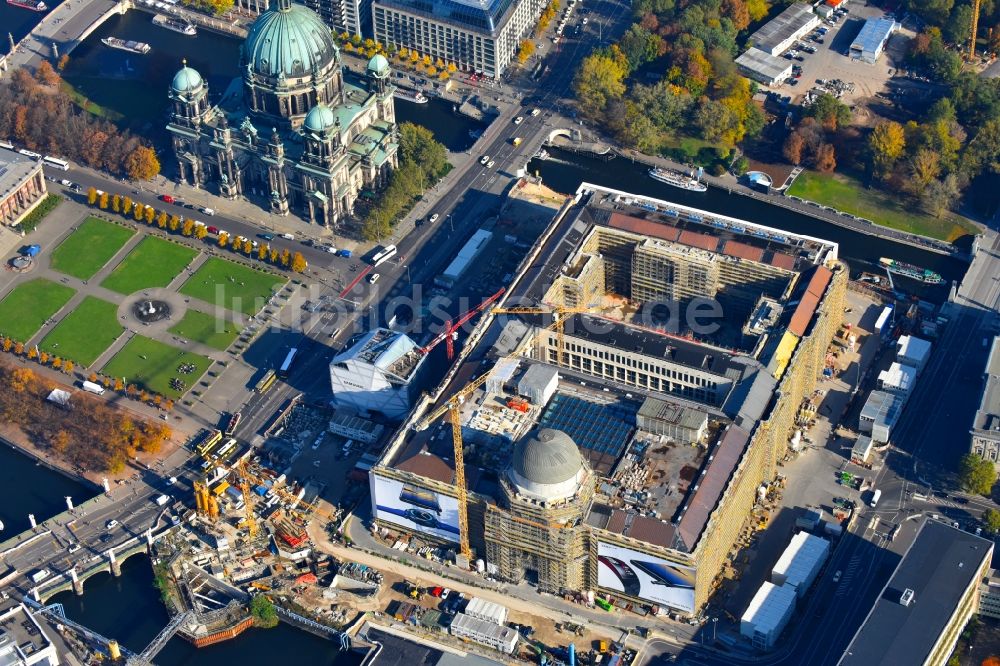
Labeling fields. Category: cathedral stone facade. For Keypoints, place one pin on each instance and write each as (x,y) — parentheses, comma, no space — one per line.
(290,129)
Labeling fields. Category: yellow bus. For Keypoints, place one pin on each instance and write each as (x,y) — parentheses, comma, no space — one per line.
(211,440)
(266,382)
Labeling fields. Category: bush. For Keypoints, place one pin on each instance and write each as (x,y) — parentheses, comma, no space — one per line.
(33,218)
(263,612)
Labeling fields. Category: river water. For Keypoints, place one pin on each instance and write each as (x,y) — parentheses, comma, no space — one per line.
(19,21)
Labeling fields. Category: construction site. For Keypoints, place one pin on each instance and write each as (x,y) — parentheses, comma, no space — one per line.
(592,443)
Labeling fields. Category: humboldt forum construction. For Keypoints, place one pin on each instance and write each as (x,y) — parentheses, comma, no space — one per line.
(608,446)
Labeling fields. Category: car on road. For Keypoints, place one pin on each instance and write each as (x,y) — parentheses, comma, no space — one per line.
(518,120)
(490,165)
(208,211)
(584,20)
(373,278)
(484,159)
(111,524)
(213,230)
(267,237)
(434,218)
(73,547)
(836,576)
(345,253)
(166,198)
(535,112)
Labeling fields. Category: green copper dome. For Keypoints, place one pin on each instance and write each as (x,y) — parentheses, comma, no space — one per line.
(378,65)
(187,80)
(290,40)
(319,118)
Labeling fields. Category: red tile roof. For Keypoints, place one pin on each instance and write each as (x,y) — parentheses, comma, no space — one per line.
(819,281)
(703,241)
(803,314)
(712,484)
(643,227)
(742,250)
(782,260)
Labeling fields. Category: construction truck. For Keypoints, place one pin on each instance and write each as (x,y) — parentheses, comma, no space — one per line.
(413,591)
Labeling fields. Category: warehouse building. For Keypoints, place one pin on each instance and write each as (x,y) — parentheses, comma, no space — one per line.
(377,374)
(22,186)
(801,562)
(763,67)
(986,427)
(481,37)
(871,41)
(777,35)
(584,493)
(484,632)
(922,610)
(879,415)
(768,614)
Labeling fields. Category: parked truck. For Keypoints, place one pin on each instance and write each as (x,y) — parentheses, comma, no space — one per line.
(162,500)
(91,387)
(39,575)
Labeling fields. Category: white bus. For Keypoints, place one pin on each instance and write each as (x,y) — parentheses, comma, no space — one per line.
(386,253)
(55,163)
(91,387)
(287,365)
(28,153)
(875,498)
(225,450)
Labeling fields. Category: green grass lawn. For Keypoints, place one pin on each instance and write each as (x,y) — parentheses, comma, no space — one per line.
(93,243)
(84,333)
(150,364)
(231,286)
(206,329)
(154,262)
(849,195)
(25,309)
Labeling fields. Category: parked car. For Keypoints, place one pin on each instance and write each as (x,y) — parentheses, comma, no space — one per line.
(373,278)
(267,237)
(111,524)
(434,218)
(208,211)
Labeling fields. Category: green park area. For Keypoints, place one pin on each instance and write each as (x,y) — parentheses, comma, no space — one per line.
(88,248)
(84,333)
(29,305)
(206,329)
(850,196)
(151,365)
(232,286)
(154,262)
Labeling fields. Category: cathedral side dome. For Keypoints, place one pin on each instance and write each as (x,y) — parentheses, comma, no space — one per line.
(547,464)
(320,118)
(288,40)
(378,65)
(186,81)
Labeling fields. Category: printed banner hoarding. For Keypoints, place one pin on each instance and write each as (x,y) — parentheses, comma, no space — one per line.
(415,508)
(646,577)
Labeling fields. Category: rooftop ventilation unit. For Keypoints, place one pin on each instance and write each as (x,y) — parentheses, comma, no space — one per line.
(907,597)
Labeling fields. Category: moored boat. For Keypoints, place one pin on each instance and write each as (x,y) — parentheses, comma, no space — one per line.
(677,179)
(33,5)
(175,24)
(409,95)
(924,275)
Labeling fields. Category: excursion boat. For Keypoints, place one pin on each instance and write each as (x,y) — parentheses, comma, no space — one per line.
(131,46)
(33,5)
(409,95)
(678,179)
(175,24)
(924,275)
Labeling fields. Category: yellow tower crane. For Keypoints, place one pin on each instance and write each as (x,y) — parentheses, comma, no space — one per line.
(452,406)
(558,313)
(975,29)
(247,499)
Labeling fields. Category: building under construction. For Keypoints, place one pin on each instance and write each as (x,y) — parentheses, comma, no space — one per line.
(608,445)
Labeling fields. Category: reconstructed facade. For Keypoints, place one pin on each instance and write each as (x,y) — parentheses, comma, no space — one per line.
(351,16)
(291,129)
(22,186)
(591,498)
(481,37)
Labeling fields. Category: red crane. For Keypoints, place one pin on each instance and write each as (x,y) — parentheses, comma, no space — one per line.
(450,331)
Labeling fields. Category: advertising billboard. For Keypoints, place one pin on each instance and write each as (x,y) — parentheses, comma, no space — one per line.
(415,508)
(643,576)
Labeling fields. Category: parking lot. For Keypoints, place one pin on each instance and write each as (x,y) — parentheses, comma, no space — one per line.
(831,61)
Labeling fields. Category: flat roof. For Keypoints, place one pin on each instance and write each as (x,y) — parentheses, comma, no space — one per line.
(15,168)
(940,566)
(913,347)
(769,607)
(783,26)
(988,414)
(873,34)
(765,64)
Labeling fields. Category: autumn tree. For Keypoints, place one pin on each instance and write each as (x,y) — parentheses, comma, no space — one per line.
(275,256)
(127,205)
(174,226)
(262,252)
(525,50)
(886,144)
(829,111)
(43,358)
(21,378)
(161,219)
(793,148)
(188,227)
(91,195)
(299,263)
(68,367)
(46,75)
(223,239)
(138,211)
(826,160)
(116,203)
(103,202)
(119,384)
(63,62)
(141,163)
(599,80)
(286,257)
(149,215)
